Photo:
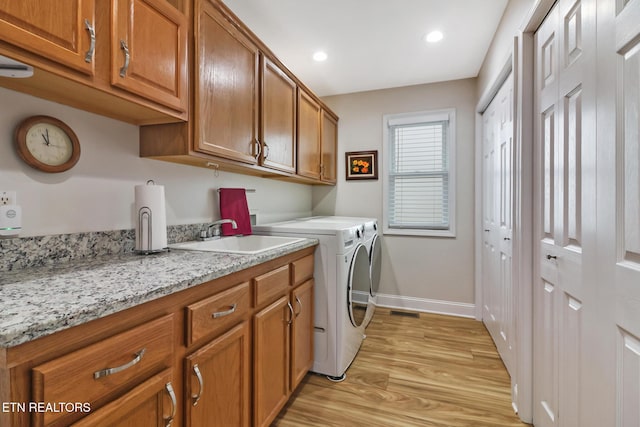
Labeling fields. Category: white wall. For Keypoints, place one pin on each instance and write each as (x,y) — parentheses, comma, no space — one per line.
(419,267)
(98,193)
(502,44)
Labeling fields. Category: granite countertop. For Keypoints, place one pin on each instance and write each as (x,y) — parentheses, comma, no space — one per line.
(35,302)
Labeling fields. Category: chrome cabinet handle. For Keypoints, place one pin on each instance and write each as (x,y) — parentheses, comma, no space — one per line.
(225,313)
(111,371)
(259,149)
(92,37)
(292,315)
(266,150)
(127,58)
(196,396)
(300,304)
(174,404)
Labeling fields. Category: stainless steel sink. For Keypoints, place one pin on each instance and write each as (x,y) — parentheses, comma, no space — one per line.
(248,245)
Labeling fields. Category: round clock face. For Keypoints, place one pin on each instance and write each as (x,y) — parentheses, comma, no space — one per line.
(47,144)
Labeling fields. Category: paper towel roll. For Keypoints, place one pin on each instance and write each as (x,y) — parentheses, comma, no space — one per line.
(151,218)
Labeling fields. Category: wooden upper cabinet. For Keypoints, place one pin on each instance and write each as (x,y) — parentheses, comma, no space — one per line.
(329,147)
(278,126)
(149,51)
(58,30)
(308,136)
(226,88)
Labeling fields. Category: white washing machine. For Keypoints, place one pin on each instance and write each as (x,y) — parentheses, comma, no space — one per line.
(341,265)
(369,226)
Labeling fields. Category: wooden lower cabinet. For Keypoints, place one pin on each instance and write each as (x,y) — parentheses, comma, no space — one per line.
(302,332)
(271,361)
(283,351)
(217,392)
(228,352)
(151,404)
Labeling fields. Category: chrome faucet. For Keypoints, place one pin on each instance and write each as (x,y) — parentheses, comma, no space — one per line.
(213,230)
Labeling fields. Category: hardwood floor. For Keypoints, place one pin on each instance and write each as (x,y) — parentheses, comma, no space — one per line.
(432,370)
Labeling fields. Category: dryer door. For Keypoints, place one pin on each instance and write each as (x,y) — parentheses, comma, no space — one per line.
(375,261)
(359,285)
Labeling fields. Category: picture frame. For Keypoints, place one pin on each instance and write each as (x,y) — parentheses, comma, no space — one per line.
(361,165)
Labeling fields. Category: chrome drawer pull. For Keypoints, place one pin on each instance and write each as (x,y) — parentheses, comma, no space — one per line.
(197,396)
(127,58)
(92,36)
(225,313)
(174,404)
(110,371)
(300,304)
(292,315)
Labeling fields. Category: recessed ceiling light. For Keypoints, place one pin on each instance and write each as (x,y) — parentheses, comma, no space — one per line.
(434,37)
(320,56)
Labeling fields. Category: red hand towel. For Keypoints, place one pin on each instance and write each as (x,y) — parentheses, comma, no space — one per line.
(233,205)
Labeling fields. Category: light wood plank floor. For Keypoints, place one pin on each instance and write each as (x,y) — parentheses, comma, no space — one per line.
(428,371)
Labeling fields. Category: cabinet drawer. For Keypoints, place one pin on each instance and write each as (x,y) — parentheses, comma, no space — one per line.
(93,374)
(218,312)
(302,269)
(271,285)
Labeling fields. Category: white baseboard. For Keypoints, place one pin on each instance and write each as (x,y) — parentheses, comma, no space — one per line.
(451,308)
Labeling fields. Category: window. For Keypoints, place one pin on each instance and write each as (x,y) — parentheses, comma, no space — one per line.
(419,184)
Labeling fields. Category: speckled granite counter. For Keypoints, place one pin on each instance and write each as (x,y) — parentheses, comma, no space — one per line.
(35,302)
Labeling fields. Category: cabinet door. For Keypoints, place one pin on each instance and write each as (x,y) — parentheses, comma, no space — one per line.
(58,30)
(329,147)
(151,404)
(271,361)
(302,332)
(226,88)
(308,136)
(278,118)
(217,381)
(149,51)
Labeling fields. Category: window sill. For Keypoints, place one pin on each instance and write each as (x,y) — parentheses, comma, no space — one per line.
(419,233)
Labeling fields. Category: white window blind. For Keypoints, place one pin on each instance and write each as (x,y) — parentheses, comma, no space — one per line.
(418,174)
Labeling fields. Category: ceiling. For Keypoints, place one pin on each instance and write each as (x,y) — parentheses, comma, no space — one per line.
(373,44)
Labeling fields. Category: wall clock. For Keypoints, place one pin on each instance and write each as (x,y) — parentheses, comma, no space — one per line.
(47,144)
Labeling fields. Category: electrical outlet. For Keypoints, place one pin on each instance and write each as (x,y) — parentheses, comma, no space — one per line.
(7,197)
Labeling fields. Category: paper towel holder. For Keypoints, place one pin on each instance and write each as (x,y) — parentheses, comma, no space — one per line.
(145,216)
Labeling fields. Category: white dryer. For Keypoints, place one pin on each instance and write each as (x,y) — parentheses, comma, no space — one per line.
(341,265)
(369,228)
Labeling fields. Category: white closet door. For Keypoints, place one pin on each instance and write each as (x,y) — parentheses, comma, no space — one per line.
(617,399)
(565,210)
(498,293)
(489,222)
